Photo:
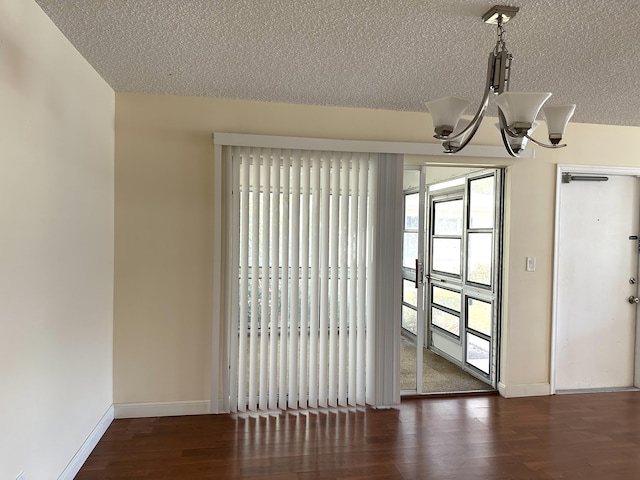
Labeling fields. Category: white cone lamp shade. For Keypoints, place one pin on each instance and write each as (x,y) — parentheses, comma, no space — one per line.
(520,109)
(518,144)
(445,113)
(557,117)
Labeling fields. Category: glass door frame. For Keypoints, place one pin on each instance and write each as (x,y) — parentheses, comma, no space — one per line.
(416,273)
(446,280)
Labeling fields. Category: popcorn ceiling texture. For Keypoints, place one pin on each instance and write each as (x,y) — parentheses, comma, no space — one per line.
(384,54)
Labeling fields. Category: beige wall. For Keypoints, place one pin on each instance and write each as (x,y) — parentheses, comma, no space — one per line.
(164,228)
(56,245)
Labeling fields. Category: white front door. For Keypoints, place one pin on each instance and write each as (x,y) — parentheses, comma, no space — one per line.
(597,275)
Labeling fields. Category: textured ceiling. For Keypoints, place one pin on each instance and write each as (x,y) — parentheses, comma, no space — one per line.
(389,54)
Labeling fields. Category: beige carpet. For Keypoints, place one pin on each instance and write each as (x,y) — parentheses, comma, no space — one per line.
(439,374)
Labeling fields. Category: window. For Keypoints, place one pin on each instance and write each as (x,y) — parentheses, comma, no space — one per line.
(447,228)
(445,309)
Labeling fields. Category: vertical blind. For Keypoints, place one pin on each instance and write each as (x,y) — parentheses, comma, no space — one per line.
(303,242)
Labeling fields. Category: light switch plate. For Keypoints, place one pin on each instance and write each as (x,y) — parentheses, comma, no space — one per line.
(531,264)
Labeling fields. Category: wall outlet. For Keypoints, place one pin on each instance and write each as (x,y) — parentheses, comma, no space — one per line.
(531,264)
(20,476)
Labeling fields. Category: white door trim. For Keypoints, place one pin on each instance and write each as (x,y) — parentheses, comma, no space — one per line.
(571,168)
(496,157)
(365,146)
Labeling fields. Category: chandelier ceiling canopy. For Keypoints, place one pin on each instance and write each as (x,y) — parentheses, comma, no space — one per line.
(517,111)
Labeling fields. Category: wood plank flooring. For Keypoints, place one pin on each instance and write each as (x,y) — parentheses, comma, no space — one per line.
(582,436)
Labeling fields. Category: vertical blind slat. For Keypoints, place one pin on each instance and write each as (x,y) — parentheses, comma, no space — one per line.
(324,281)
(244,280)
(255,281)
(275,280)
(315,271)
(353,280)
(304,283)
(333,273)
(294,307)
(239,369)
(362,275)
(285,330)
(344,251)
(266,294)
(371,276)
(235,285)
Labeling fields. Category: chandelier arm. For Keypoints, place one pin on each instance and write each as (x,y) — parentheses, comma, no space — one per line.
(504,134)
(545,145)
(477,118)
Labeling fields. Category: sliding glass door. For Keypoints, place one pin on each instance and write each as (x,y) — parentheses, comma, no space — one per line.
(452,231)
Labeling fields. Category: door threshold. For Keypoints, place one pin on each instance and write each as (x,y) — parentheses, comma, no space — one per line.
(468,393)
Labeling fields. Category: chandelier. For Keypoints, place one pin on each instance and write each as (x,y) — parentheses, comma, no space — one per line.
(517,111)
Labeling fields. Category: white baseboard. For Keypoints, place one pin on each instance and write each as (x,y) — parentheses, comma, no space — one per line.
(597,390)
(87,447)
(162,409)
(524,390)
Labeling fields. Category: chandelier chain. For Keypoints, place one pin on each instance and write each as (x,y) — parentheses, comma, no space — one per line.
(501,43)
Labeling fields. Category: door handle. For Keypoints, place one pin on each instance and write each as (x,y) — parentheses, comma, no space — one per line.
(633,300)
(419,272)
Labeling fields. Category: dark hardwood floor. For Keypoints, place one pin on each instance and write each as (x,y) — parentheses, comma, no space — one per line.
(585,436)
